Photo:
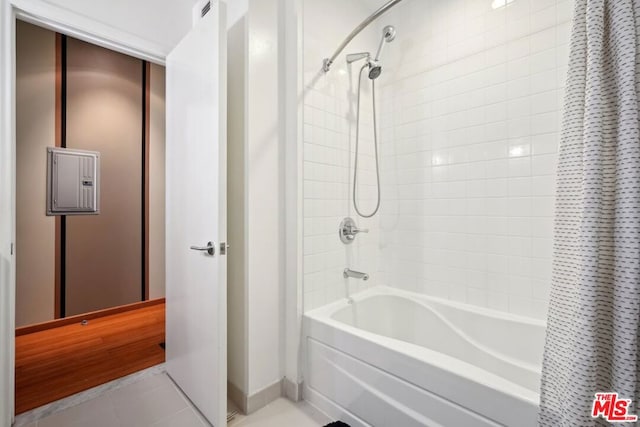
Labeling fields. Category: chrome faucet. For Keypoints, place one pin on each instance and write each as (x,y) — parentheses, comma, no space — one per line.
(348,230)
(346,273)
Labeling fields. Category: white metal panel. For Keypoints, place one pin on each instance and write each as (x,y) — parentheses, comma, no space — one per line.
(66,182)
(73,182)
(196,213)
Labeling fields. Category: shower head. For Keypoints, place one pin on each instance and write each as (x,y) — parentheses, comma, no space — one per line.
(388,35)
(375,69)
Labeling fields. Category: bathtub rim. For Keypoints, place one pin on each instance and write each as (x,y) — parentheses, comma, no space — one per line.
(428,304)
(326,311)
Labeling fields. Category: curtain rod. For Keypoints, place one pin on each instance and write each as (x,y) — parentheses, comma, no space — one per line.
(326,63)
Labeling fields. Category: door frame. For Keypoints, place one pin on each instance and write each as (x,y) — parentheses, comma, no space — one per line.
(67,22)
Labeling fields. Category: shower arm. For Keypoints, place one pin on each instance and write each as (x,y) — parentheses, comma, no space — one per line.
(327,62)
(380,47)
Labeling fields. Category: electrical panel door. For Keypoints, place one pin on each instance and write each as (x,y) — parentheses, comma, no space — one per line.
(73,182)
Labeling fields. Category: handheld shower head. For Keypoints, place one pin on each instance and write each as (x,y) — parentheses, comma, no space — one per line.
(388,35)
(375,69)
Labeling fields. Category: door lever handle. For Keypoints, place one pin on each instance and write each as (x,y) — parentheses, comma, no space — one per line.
(210,248)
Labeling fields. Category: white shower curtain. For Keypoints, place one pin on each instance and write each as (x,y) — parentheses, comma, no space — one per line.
(594,316)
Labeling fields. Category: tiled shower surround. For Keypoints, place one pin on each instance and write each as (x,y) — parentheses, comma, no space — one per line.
(469,113)
(329,144)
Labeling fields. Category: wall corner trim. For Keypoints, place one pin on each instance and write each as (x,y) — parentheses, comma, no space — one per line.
(249,404)
(292,390)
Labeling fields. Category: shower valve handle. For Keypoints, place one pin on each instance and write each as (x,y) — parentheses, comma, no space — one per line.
(356,230)
(348,230)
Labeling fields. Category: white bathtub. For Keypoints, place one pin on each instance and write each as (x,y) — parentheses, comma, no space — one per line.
(399,359)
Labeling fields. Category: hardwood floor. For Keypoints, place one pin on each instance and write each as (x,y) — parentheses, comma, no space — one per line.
(58,362)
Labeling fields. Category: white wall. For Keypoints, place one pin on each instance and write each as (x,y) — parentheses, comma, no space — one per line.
(264,306)
(329,118)
(264,195)
(256,285)
(236,196)
(470,131)
(290,33)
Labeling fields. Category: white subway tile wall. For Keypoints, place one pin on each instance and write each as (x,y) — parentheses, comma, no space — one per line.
(469,113)
(470,131)
(329,118)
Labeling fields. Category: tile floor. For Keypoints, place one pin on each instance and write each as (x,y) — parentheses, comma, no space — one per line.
(156,401)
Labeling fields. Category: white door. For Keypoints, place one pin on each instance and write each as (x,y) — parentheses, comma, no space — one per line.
(196,280)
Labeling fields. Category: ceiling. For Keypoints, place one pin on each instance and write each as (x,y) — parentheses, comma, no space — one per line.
(162,22)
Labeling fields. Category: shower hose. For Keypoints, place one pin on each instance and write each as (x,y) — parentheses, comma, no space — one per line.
(375,145)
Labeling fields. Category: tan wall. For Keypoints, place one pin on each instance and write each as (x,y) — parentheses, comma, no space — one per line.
(35,130)
(104,113)
(156,182)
